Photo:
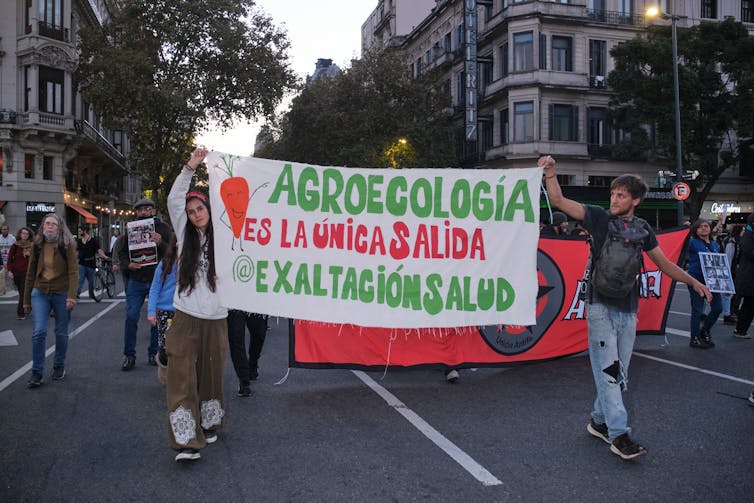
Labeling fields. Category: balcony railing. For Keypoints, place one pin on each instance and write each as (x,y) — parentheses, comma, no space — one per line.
(52,31)
(86,129)
(51,119)
(612,17)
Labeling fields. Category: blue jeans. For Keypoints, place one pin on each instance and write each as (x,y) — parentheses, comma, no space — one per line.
(611,342)
(136,292)
(697,309)
(86,273)
(41,305)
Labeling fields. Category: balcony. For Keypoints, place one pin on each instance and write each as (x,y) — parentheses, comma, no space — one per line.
(85,129)
(612,17)
(55,32)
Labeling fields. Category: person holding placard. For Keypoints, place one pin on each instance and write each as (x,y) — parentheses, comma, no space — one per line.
(701,326)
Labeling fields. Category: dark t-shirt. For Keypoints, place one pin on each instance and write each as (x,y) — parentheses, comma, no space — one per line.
(595,221)
(87,251)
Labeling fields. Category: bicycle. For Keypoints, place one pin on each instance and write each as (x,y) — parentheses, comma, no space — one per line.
(104,280)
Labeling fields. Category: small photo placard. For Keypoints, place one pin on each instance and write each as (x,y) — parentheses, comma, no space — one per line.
(716,270)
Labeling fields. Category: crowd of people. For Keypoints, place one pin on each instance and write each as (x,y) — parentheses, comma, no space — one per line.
(191,331)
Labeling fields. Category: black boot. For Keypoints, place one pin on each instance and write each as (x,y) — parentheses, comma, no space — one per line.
(706,337)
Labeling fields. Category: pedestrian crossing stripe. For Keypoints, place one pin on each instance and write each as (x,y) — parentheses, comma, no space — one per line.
(7,338)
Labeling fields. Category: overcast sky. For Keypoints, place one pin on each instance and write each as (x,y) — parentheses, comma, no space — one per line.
(317,29)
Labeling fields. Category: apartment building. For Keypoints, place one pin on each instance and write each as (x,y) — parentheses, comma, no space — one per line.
(541,87)
(55,153)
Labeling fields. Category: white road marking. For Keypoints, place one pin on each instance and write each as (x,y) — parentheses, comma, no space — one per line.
(24,369)
(7,338)
(696,369)
(475,469)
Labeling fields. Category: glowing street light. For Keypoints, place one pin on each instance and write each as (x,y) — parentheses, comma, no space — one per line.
(652,12)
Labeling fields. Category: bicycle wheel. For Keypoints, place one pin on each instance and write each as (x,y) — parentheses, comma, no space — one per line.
(110,283)
(98,287)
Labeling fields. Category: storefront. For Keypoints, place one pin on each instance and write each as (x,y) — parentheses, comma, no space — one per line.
(736,211)
(35,212)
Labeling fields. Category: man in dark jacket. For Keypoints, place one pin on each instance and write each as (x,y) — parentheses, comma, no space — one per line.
(139,281)
(745,280)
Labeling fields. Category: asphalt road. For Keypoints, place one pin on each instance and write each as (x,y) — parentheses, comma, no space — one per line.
(513,434)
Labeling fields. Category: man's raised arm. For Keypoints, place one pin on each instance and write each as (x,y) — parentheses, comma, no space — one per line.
(570,207)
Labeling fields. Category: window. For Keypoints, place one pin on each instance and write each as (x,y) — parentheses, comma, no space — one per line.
(418,67)
(461,87)
(504,126)
(51,12)
(27,87)
(597,62)
(446,43)
(1,166)
(47,167)
(27,16)
(542,52)
(562,54)
(51,90)
(599,181)
(504,59)
(28,166)
(486,73)
(625,8)
(523,51)
(564,123)
(599,132)
(709,9)
(459,37)
(523,125)
(747,11)
(486,133)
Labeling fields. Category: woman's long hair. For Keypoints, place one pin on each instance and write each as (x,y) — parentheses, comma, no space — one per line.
(31,234)
(695,227)
(192,253)
(170,257)
(64,237)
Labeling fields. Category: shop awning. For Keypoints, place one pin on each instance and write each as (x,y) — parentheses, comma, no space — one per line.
(90,219)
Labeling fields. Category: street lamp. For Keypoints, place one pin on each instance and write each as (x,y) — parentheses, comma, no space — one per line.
(656,12)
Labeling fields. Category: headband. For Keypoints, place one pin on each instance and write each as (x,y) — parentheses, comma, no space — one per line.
(197,195)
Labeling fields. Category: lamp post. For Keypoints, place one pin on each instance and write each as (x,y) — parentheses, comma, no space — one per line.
(655,12)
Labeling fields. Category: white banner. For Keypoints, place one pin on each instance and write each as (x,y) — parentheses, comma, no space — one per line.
(396,248)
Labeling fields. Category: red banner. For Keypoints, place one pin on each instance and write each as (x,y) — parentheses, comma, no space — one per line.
(560,329)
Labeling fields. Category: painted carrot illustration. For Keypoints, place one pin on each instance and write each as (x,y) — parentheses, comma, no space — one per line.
(234,191)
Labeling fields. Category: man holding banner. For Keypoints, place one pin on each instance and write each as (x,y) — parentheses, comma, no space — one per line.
(612,321)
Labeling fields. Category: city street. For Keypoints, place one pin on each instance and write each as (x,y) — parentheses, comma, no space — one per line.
(514,434)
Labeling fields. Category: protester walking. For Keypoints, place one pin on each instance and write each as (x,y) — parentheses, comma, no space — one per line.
(160,308)
(18,264)
(6,241)
(88,249)
(610,310)
(51,282)
(701,325)
(745,280)
(139,282)
(246,364)
(197,341)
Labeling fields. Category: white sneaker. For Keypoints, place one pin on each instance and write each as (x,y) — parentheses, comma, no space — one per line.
(452,376)
(751,399)
(187,454)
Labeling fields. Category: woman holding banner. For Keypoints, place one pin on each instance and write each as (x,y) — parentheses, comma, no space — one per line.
(701,325)
(197,341)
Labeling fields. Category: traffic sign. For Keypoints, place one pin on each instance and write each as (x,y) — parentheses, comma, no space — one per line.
(681,191)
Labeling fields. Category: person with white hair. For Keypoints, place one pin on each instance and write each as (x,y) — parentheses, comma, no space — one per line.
(51,282)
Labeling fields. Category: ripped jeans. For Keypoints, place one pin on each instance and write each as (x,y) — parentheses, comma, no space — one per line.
(611,342)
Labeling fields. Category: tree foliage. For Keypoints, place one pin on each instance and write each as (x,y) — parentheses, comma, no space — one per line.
(372,114)
(163,70)
(716,82)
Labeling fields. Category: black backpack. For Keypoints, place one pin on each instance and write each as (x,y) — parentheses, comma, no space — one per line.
(617,266)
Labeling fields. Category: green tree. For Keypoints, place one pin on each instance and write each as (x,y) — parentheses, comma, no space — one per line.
(716,75)
(163,71)
(359,116)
